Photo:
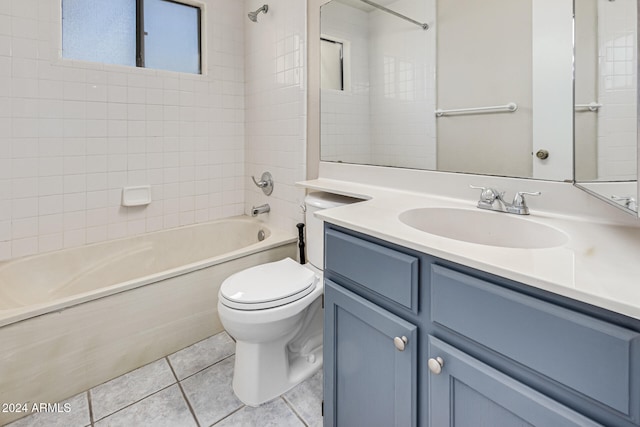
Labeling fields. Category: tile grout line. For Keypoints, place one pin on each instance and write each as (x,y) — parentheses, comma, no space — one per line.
(184,395)
(90,407)
(228,415)
(137,401)
(293,409)
(207,367)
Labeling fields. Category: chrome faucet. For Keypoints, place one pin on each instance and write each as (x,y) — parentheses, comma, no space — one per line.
(256,210)
(493,200)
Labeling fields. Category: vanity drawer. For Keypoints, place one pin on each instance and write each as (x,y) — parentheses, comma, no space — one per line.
(385,271)
(595,358)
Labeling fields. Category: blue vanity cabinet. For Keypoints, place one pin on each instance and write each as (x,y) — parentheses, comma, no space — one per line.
(469,393)
(371,338)
(370,363)
(511,354)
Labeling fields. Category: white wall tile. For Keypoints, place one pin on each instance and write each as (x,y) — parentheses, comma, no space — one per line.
(617,122)
(269,117)
(72,133)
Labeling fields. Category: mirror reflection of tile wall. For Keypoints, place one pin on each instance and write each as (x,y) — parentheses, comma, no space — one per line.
(385,117)
(617,84)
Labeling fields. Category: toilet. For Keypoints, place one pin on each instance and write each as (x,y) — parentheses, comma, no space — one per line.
(274,312)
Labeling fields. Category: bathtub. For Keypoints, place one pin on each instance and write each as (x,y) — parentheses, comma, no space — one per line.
(73,319)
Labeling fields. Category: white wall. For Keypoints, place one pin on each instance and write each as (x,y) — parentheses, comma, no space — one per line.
(275,76)
(72,134)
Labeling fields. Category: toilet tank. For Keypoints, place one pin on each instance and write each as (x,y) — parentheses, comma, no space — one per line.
(315,239)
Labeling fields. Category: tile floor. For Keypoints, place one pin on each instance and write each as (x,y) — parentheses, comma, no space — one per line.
(191,387)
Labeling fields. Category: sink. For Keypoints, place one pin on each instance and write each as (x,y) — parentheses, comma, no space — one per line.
(484,227)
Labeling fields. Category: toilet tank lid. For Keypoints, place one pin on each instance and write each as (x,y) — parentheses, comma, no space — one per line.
(323,200)
(272,281)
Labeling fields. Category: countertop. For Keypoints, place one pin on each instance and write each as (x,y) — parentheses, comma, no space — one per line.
(599,264)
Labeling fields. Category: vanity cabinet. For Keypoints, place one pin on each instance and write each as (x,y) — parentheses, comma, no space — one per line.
(375,381)
(469,393)
(478,350)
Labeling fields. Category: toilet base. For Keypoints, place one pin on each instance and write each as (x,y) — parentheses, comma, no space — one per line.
(265,370)
(254,389)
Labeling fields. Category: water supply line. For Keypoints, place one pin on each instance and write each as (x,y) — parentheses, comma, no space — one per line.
(301,243)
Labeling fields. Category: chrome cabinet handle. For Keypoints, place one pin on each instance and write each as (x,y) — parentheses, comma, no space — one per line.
(435,365)
(400,342)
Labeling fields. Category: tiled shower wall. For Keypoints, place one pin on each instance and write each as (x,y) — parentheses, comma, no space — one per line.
(72,134)
(275,61)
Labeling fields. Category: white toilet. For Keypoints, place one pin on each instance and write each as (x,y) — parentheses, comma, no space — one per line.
(274,313)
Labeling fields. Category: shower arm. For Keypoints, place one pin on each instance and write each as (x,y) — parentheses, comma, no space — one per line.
(394,13)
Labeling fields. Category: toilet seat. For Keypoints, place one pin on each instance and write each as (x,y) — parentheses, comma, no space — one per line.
(268,285)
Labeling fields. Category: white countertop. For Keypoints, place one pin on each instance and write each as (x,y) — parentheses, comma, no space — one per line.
(599,264)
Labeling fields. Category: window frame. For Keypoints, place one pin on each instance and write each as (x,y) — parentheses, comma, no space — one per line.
(345,60)
(140,34)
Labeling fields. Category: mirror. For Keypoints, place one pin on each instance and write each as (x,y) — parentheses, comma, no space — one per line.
(606,76)
(458,85)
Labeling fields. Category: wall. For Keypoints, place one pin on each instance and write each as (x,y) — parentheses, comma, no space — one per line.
(72,134)
(275,127)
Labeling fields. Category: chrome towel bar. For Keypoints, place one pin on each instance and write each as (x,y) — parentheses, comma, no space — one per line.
(510,107)
(592,106)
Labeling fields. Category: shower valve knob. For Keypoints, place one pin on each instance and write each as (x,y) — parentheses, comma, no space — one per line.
(266,183)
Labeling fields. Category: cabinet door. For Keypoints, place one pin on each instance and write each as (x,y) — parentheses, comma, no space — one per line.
(368,380)
(468,393)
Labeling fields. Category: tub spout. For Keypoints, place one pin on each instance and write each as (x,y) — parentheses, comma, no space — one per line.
(256,210)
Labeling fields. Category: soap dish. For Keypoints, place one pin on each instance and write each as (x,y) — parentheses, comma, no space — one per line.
(136,196)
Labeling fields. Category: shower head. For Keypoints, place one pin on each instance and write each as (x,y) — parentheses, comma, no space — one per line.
(254,15)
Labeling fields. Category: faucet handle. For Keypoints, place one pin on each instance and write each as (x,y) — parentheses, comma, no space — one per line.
(488,195)
(518,199)
(628,201)
(266,183)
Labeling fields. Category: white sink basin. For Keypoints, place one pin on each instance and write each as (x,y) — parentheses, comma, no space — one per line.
(484,227)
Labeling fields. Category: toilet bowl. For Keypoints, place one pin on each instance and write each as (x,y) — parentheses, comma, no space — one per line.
(274,312)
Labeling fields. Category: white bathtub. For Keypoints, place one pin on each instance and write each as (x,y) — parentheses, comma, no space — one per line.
(75,318)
